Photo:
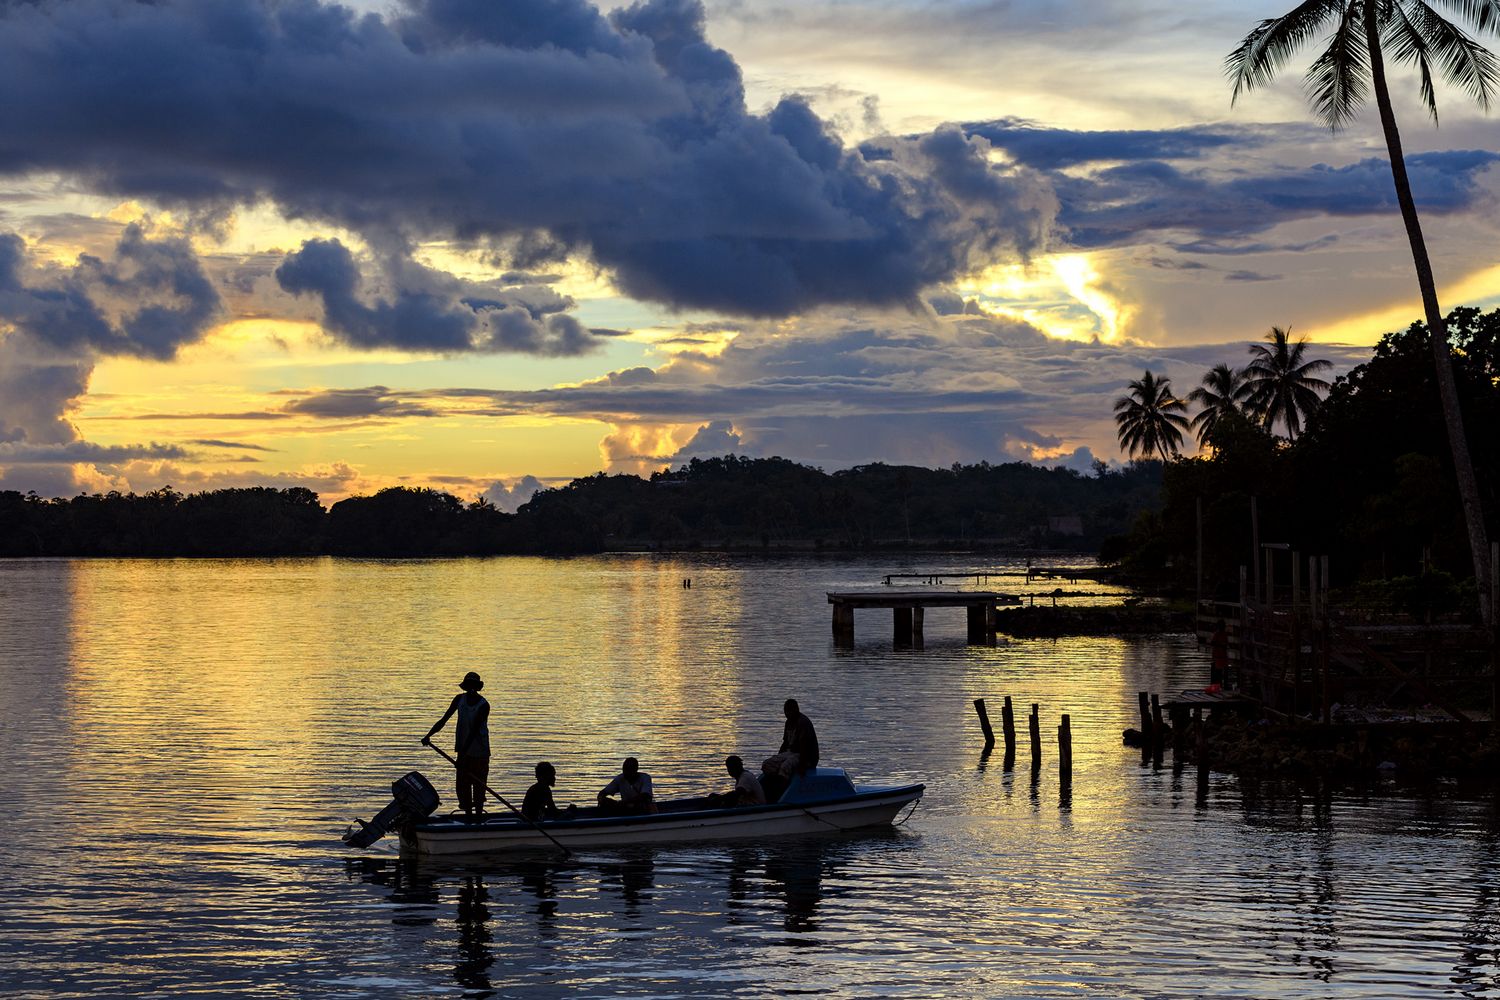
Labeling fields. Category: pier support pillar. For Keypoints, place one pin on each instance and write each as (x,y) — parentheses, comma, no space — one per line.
(903,623)
(917,614)
(843,625)
(981,623)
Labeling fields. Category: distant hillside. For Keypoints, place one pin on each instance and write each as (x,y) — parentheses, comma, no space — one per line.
(726,502)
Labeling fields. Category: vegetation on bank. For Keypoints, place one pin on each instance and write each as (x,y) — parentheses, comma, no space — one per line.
(1368,481)
(726,502)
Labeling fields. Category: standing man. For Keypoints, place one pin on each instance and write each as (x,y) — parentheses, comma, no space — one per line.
(471,743)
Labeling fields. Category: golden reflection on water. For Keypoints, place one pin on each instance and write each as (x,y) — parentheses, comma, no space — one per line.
(186,739)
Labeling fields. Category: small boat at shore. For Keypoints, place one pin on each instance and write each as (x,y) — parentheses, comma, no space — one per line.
(824,800)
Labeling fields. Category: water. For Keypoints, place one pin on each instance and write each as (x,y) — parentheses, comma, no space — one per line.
(183,741)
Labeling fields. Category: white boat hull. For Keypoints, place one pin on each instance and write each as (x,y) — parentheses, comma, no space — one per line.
(869,808)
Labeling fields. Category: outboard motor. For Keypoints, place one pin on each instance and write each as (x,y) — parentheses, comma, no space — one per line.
(413,799)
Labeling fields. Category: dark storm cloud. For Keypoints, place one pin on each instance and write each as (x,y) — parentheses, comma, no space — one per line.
(1056,148)
(1132,202)
(435,317)
(149,299)
(539,124)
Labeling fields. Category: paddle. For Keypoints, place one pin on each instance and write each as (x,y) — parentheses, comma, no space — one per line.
(535,826)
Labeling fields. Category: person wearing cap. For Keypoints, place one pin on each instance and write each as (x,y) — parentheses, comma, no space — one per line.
(471,742)
(633,786)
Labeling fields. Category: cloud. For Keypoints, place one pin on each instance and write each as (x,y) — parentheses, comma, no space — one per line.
(1137,202)
(1250,276)
(148,300)
(216,443)
(371,401)
(511,498)
(75,452)
(1056,148)
(545,129)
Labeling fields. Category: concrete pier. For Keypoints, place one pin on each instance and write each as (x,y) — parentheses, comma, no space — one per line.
(909,608)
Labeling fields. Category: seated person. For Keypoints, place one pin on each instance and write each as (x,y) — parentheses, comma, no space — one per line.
(633,786)
(538,804)
(746,790)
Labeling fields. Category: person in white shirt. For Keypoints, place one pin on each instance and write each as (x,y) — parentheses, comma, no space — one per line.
(746,791)
(633,786)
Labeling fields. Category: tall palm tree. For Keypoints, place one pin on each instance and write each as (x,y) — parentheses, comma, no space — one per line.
(1150,419)
(1338,83)
(1280,385)
(1218,396)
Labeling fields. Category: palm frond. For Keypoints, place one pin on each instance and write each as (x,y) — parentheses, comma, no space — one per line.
(1270,43)
(1337,82)
(1465,63)
(1483,14)
(1404,43)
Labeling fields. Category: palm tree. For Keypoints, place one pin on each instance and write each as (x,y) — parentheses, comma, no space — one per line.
(1218,396)
(1150,418)
(1280,385)
(1338,83)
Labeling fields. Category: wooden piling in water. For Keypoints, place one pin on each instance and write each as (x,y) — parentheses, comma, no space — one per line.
(984,723)
(1008,727)
(1036,737)
(1178,715)
(1065,749)
(1145,718)
(1158,733)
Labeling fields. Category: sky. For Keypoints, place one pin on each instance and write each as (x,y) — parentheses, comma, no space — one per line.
(490,247)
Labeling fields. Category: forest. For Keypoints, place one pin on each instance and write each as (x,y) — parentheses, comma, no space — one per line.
(732,502)
(1361,472)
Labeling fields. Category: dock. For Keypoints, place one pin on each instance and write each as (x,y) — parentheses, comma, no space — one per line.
(909,608)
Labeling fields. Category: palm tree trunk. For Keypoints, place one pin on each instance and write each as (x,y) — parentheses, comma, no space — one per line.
(1463,465)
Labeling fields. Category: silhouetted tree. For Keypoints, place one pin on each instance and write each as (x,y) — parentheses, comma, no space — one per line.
(1338,84)
(1149,418)
(1220,395)
(1280,385)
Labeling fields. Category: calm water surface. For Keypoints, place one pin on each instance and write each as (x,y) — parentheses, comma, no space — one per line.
(183,741)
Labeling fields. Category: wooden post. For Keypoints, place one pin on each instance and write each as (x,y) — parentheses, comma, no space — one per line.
(1255,543)
(1158,733)
(1198,597)
(1270,557)
(1495,636)
(917,616)
(1065,749)
(1296,581)
(1036,737)
(1178,715)
(1008,728)
(1312,585)
(1201,734)
(984,724)
(1145,718)
(902,619)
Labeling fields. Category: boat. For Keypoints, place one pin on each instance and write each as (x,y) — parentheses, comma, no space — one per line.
(824,800)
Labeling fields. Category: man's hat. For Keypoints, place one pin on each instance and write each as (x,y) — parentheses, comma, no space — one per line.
(471,682)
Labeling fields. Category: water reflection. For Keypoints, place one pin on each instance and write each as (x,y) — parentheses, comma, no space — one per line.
(210,861)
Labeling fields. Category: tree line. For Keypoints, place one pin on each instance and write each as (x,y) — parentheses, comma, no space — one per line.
(731,502)
(1361,474)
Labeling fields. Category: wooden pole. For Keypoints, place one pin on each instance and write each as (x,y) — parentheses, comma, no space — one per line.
(1198,599)
(1145,717)
(1255,542)
(1158,734)
(1036,737)
(1296,581)
(1495,636)
(984,724)
(1065,749)
(1008,728)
